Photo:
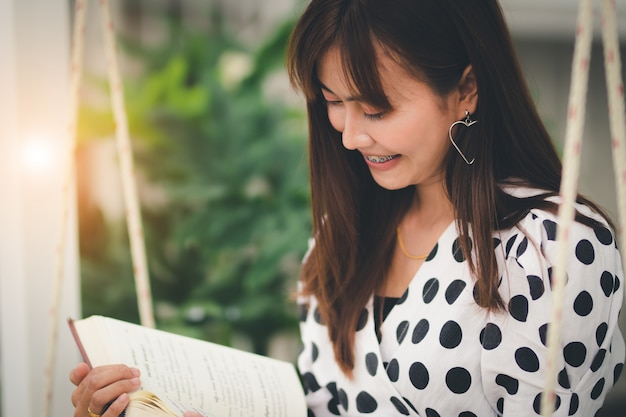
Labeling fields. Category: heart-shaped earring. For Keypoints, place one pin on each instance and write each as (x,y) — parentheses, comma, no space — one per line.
(467,123)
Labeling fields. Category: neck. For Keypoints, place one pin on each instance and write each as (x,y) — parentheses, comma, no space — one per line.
(431,207)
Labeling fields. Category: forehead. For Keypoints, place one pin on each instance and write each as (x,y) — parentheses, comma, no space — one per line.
(385,75)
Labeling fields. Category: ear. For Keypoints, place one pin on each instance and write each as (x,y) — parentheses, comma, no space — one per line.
(468,91)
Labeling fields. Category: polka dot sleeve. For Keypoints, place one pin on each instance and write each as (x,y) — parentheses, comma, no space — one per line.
(514,341)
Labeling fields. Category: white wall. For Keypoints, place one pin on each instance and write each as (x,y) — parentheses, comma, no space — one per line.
(34,56)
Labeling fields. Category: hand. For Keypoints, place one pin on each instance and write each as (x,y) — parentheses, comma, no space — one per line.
(102,390)
(192,414)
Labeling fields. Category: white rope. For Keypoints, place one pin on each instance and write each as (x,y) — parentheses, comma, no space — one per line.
(133,215)
(569,180)
(571,162)
(132,206)
(69,174)
(615,90)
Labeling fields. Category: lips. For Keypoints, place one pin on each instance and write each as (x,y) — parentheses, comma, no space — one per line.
(377,159)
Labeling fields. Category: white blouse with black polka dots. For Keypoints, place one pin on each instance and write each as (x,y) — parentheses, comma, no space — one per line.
(440,354)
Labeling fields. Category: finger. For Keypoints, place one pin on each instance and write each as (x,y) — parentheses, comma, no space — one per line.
(79,373)
(94,380)
(105,383)
(101,376)
(103,398)
(115,408)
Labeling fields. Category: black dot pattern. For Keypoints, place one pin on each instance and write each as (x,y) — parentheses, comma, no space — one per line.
(575,353)
(527,359)
(510,384)
(543,334)
(454,290)
(451,335)
(601,333)
(585,252)
(400,407)
(573,405)
(606,282)
(458,380)
(371,363)
(362,320)
(617,371)
(365,403)
(432,253)
(401,331)
(393,370)
(518,307)
(597,389)
(550,227)
(509,244)
(563,379)
(604,235)
(418,375)
(583,304)
(432,413)
(536,287)
(537,403)
(430,290)
(598,360)
(420,331)
(490,336)
(440,354)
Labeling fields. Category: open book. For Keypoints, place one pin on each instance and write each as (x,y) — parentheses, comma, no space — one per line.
(180,373)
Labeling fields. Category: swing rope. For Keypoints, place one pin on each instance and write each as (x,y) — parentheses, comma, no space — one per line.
(69,174)
(124,150)
(617,123)
(571,164)
(133,216)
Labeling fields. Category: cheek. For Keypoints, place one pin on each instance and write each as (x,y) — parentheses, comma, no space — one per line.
(337,119)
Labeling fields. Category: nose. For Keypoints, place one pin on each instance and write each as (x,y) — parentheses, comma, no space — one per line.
(354,134)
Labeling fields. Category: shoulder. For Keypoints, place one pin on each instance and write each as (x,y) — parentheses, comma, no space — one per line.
(539,228)
(529,251)
(592,346)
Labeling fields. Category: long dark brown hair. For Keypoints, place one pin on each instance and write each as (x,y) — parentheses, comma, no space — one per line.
(354,219)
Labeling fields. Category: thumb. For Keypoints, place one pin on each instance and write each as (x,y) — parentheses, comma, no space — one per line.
(191,414)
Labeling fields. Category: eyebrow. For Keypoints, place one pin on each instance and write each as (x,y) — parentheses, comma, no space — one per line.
(351,98)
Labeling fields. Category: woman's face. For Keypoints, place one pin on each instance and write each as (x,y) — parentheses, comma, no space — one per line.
(404,146)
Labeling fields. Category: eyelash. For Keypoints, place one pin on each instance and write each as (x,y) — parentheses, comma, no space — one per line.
(376,116)
(369,116)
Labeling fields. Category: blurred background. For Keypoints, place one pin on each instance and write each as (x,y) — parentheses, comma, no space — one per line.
(219,143)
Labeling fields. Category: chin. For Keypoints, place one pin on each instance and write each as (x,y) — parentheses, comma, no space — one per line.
(392,185)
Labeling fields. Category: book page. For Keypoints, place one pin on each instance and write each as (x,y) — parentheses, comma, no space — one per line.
(215,380)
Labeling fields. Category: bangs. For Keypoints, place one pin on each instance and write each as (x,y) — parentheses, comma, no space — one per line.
(349,30)
(361,69)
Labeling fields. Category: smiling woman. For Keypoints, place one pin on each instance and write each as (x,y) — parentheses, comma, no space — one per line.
(401,141)
(427,287)
(424,139)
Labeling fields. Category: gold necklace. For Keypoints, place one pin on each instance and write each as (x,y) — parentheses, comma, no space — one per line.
(404,251)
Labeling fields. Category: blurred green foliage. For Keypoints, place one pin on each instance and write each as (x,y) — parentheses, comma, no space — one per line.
(224,246)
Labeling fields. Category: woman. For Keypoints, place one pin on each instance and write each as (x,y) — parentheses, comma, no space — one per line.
(434,184)
(434,191)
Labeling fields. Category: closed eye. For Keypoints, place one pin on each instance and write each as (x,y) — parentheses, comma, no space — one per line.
(369,116)
(333,102)
(374,116)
